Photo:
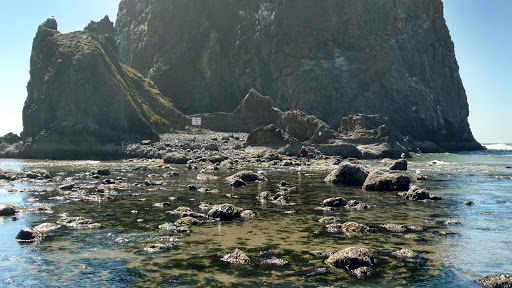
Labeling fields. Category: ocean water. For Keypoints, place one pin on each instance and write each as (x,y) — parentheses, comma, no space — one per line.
(447,255)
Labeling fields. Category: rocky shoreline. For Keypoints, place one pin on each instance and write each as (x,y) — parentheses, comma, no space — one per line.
(208,152)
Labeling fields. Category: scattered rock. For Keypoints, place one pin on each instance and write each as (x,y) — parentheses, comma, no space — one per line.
(312,272)
(187,221)
(29,235)
(167,226)
(496,281)
(236,257)
(353,260)
(354,227)
(274,263)
(469,203)
(224,212)
(403,253)
(78,222)
(265,196)
(398,228)
(45,227)
(248,214)
(398,165)
(67,187)
(153,248)
(416,193)
(246,176)
(452,222)
(334,202)
(7,210)
(175,158)
(101,172)
(354,204)
(238,183)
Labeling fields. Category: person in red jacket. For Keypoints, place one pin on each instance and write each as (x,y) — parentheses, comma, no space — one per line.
(304,154)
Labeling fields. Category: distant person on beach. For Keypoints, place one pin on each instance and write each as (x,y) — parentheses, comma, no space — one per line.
(304,154)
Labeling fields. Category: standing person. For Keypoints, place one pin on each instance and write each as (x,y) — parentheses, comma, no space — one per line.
(304,154)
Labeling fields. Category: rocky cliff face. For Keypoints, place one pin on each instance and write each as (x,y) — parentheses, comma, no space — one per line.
(329,58)
(81,98)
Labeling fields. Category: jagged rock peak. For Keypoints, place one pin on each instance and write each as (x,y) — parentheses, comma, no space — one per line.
(103,27)
(50,23)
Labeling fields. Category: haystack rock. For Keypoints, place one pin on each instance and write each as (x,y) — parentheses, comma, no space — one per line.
(331,59)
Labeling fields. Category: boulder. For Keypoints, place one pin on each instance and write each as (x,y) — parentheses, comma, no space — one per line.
(400,228)
(246,176)
(269,135)
(348,174)
(355,260)
(496,281)
(237,256)
(224,212)
(380,181)
(175,158)
(398,165)
(29,235)
(7,210)
(416,193)
(334,202)
(154,248)
(354,204)
(187,221)
(403,253)
(238,183)
(45,227)
(78,222)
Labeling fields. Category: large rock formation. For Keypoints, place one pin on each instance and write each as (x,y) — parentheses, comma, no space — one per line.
(330,58)
(81,98)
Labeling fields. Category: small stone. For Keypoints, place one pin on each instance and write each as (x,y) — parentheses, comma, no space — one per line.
(403,253)
(236,257)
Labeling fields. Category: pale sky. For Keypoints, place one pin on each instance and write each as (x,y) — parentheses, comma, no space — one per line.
(480,30)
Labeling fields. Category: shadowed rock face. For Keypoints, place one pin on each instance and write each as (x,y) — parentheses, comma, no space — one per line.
(80,98)
(330,59)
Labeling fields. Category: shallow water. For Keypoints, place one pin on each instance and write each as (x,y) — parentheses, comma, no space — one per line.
(448,255)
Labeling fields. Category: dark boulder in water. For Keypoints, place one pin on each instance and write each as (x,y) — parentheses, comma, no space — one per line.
(29,235)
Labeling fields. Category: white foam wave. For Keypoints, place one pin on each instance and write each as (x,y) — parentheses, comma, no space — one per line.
(501,146)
